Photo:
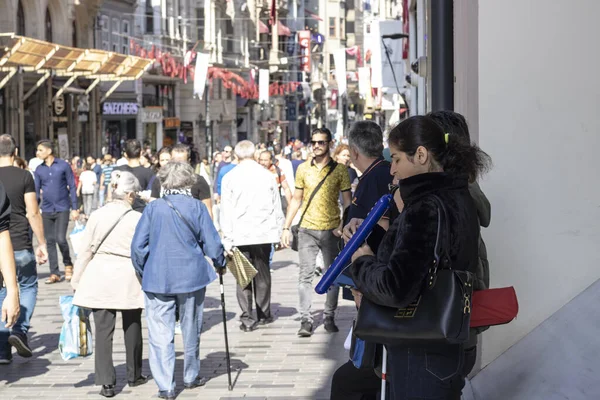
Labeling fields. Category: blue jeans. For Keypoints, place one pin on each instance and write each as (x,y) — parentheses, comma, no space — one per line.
(160,315)
(28,286)
(425,373)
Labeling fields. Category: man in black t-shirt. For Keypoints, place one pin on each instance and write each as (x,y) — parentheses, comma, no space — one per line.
(25,213)
(133,152)
(200,190)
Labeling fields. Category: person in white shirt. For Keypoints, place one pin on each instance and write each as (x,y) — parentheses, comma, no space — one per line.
(249,199)
(284,164)
(87,185)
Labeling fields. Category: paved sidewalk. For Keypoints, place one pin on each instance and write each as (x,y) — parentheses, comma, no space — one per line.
(269,363)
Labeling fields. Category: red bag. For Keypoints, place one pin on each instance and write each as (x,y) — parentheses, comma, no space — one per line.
(494,307)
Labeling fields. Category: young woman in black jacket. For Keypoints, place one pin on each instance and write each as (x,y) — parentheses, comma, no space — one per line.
(427,161)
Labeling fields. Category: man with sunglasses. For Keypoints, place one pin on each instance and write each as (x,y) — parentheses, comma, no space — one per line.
(320,225)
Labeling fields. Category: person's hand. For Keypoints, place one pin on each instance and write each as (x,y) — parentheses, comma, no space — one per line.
(357,297)
(10,309)
(41,254)
(337,232)
(350,228)
(229,253)
(365,250)
(74,215)
(286,238)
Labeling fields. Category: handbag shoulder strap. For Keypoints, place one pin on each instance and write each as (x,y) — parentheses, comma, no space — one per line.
(185,221)
(440,250)
(332,165)
(112,228)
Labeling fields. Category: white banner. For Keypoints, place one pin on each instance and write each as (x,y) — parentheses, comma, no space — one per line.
(339,57)
(263,85)
(364,81)
(200,74)
(383,77)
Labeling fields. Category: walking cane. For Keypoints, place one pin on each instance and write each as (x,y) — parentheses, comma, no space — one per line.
(383,373)
(228,359)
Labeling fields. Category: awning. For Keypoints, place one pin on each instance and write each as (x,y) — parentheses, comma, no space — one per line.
(282,30)
(34,55)
(313,16)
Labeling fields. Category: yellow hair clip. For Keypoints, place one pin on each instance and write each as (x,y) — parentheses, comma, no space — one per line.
(446,137)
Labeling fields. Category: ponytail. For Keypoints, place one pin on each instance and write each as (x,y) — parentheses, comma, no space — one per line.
(462,157)
(451,151)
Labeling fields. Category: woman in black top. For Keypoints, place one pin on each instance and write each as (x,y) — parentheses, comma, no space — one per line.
(426,161)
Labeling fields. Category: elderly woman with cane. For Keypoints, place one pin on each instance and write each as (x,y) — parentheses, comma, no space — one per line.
(106,282)
(169,250)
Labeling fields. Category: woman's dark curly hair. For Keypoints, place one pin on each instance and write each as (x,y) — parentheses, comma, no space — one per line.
(456,156)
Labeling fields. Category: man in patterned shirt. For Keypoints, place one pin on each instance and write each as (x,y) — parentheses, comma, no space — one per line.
(107,169)
(321,224)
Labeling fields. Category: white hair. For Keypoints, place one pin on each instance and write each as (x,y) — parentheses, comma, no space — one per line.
(177,175)
(245,150)
(123,183)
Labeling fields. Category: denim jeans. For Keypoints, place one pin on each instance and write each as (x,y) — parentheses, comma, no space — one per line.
(88,201)
(101,195)
(28,286)
(426,373)
(55,231)
(160,315)
(309,244)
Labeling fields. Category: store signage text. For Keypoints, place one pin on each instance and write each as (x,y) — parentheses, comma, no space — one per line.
(172,123)
(120,109)
(152,115)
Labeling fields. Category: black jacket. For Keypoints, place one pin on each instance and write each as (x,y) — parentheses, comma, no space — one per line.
(395,276)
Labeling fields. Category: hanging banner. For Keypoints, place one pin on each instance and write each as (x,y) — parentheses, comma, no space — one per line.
(304,42)
(364,81)
(200,74)
(263,85)
(387,50)
(339,57)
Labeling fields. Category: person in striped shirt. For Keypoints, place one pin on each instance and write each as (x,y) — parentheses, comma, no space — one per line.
(107,169)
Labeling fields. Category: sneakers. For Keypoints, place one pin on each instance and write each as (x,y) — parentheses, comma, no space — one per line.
(305,329)
(5,360)
(178,328)
(265,321)
(330,325)
(19,342)
(107,391)
(166,395)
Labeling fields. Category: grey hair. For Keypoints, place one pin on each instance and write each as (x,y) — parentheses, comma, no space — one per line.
(245,150)
(177,175)
(367,138)
(122,183)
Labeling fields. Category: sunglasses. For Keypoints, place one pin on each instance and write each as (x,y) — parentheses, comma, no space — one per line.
(319,142)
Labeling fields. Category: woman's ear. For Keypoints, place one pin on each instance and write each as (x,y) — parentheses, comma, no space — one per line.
(421,155)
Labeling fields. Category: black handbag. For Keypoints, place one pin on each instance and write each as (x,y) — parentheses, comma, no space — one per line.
(441,313)
(332,164)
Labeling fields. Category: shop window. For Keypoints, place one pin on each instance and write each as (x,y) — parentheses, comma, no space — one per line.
(342,26)
(350,27)
(149,18)
(48,26)
(229,35)
(332,30)
(20,20)
(200,23)
(104,21)
(125,35)
(74,33)
(115,28)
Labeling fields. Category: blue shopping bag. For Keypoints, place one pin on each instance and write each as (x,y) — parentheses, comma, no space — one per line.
(76,335)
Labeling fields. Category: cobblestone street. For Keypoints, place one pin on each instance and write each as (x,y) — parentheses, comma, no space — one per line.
(269,363)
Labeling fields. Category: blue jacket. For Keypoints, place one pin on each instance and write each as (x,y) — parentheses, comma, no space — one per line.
(165,252)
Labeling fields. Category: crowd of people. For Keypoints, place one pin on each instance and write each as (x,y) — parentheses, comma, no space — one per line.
(159,230)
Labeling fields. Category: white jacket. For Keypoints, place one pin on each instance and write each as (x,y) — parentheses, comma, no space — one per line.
(250,206)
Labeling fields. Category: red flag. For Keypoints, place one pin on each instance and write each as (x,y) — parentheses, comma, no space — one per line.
(273,13)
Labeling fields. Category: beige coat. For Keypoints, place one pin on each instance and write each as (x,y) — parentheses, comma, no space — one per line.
(108,280)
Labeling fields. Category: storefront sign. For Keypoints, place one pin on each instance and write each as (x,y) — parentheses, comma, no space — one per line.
(152,115)
(172,123)
(59,109)
(187,126)
(304,41)
(120,108)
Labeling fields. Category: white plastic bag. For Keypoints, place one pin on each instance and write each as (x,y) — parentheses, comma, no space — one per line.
(76,237)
